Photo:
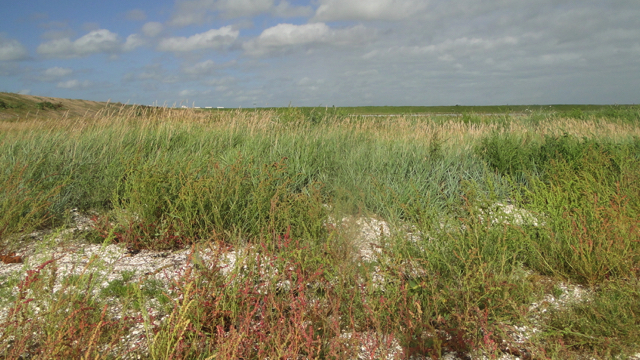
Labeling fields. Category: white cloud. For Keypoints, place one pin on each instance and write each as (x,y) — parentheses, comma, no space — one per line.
(285,10)
(24,92)
(212,39)
(99,41)
(73,84)
(95,42)
(307,83)
(152,29)
(333,10)
(304,81)
(133,41)
(221,82)
(238,8)
(55,73)
(464,44)
(152,73)
(186,93)
(289,35)
(187,18)
(206,67)
(12,50)
(191,12)
(136,15)
(449,49)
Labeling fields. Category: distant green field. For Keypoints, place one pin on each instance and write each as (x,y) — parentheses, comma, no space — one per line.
(13,106)
(455,109)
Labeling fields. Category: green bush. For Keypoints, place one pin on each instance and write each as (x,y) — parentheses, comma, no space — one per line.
(48,105)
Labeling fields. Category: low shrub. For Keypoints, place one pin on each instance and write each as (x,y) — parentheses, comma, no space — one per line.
(44,105)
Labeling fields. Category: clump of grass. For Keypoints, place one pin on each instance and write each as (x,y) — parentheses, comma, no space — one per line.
(24,203)
(168,210)
(125,289)
(507,154)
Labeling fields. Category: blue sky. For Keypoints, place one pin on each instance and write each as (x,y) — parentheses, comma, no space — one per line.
(245,53)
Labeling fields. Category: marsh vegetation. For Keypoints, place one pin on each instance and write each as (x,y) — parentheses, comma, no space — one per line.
(496,234)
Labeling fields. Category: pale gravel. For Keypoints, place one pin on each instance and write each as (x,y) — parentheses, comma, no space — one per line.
(110,262)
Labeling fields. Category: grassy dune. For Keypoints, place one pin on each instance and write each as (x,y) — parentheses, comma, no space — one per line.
(503,211)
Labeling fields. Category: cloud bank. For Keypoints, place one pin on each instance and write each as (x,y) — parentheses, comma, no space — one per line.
(95,42)
(12,50)
(335,52)
(287,36)
(194,12)
(350,10)
(212,39)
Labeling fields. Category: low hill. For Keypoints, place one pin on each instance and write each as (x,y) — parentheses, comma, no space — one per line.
(16,106)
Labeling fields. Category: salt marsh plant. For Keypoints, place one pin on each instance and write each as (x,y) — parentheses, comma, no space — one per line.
(276,189)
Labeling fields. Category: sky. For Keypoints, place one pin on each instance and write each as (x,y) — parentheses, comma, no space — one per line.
(257,53)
